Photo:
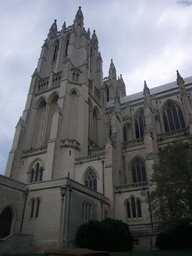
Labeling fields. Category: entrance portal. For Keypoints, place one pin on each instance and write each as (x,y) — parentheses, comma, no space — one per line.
(5,222)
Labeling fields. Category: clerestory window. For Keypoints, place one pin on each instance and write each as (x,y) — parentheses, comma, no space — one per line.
(56,51)
(173,117)
(139,124)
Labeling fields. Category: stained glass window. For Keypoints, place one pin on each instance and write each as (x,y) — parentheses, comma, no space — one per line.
(133,207)
(91,180)
(173,117)
(138,170)
(36,173)
(124,133)
(139,124)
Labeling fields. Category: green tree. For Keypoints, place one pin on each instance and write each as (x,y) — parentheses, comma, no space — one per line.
(172,179)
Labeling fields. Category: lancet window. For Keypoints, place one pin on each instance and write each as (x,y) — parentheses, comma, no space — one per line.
(173,117)
(133,207)
(124,133)
(139,124)
(91,180)
(37,139)
(67,45)
(6,217)
(35,206)
(36,172)
(86,211)
(56,51)
(138,170)
(75,76)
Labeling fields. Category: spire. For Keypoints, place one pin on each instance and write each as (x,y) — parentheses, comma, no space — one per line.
(112,70)
(53,30)
(79,17)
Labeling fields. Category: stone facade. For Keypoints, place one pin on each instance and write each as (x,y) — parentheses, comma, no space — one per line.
(82,131)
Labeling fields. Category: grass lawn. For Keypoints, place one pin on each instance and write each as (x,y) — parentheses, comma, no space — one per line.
(155,253)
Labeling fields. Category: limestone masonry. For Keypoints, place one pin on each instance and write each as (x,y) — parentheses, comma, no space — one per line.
(82,131)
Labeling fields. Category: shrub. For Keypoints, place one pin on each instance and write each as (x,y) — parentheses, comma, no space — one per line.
(108,235)
(175,238)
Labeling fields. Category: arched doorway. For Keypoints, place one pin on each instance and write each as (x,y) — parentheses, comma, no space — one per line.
(5,222)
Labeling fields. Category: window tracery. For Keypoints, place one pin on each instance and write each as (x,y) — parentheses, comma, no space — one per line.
(139,124)
(173,117)
(138,170)
(36,172)
(133,207)
(56,51)
(91,180)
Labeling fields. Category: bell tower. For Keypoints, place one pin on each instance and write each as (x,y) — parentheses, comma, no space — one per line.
(64,112)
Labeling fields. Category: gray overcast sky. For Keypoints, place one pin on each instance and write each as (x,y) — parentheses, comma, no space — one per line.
(147,40)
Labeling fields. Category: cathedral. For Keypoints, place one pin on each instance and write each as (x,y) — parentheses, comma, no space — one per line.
(82,149)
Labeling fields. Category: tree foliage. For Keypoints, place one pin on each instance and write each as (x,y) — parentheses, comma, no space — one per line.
(108,235)
(172,179)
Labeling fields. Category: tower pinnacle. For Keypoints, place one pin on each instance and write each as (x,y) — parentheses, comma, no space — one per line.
(53,30)
(112,70)
(179,79)
(79,17)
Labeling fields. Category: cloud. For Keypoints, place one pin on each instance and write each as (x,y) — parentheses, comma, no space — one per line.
(148,40)
(187,3)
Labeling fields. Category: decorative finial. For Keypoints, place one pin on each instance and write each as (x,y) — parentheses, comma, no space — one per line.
(146,89)
(79,17)
(179,78)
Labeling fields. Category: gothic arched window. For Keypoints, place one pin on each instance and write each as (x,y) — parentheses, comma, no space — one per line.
(139,207)
(138,170)
(52,108)
(35,205)
(128,209)
(32,207)
(91,180)
(133,207)
(86,211)
(139,124)
(67,46)
(56,51)
(107,88)
(95,126)
(124,133)
(173,117)
(5,222)
(38,132)
(36,172)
